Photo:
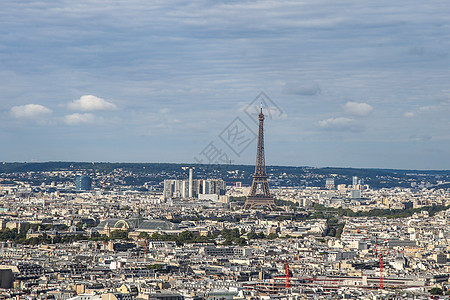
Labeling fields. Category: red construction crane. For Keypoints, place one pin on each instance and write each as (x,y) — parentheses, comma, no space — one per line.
(286,268)
(287,274)
(381,271)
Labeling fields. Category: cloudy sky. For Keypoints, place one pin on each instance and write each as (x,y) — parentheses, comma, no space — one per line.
(351,83)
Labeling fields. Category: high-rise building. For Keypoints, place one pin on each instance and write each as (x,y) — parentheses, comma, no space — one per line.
(192,188)
(175,188)
(355,193)
(83,183)
(191,183)
(355,181)
(329,183)
(213,186)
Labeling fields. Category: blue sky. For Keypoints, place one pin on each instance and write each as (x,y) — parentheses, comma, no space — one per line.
(358,83)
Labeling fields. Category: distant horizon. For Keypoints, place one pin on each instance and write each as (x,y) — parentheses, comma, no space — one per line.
(187,163)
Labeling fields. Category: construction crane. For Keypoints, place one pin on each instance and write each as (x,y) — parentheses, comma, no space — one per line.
(379,254)
(381,271)
(287,274)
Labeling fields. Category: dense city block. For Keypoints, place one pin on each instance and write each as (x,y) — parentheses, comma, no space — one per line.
(170,231)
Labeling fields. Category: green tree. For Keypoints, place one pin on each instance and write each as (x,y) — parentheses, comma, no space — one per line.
(118,235)
(185,237)
(436,291)
(252,235)
(9,234)
(155,267)
(340,229)
(143,235)
(332,232)
(240,241)
(332,220)
(272,236)
(79,225)
(95,236)
(317,215)
(227,243)
(230,233)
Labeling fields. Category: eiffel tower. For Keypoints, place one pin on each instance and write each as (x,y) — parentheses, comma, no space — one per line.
(259,193)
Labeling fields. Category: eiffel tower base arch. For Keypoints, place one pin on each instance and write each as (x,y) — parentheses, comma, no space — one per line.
(254,201)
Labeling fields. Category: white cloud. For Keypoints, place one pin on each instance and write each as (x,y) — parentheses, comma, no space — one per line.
(358,109)
(420,138)
(339,124)
(91,103)
(30,111)
(428,107)
(409,114)
(76,119)
(303,90)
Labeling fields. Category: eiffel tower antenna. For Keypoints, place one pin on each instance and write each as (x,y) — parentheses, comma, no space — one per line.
(259,192)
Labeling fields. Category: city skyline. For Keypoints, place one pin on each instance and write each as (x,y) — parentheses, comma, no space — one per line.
(359,85)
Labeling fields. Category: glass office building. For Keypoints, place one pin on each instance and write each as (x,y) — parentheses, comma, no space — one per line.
(83,183)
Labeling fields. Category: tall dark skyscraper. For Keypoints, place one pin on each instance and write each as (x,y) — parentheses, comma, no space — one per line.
(259,193)
(83,183)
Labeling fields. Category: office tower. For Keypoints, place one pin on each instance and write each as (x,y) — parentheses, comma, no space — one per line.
(190,182)
(174,188)
(83,183)
(355,193)
(259,192)
(329,183)
(355,181)
(213,186)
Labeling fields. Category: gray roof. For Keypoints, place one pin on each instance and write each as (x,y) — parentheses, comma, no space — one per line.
(137,224)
